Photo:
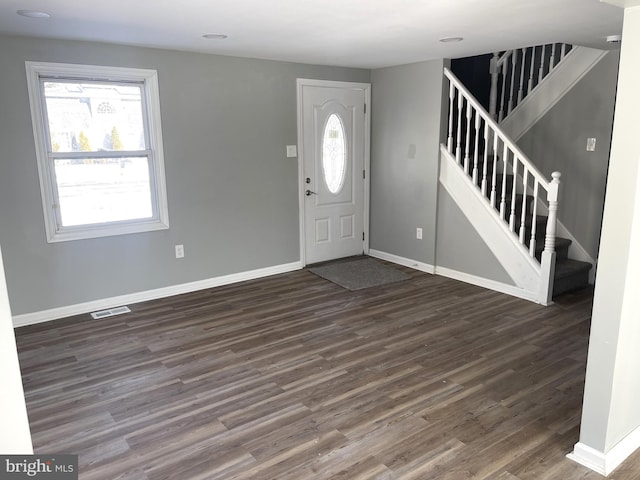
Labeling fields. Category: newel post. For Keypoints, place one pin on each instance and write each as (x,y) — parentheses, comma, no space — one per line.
(493,95)
(548,261)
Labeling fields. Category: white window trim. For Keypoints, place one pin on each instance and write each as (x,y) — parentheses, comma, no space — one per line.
(160,221)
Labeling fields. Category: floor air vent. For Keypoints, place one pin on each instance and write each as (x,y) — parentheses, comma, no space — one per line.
(110,313)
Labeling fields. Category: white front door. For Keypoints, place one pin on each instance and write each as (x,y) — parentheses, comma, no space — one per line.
(333,136)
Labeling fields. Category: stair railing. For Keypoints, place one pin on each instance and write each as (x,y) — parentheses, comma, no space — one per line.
(487,156)
(516,73)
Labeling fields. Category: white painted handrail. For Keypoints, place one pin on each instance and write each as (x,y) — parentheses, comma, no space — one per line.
(490,158)
(516,73)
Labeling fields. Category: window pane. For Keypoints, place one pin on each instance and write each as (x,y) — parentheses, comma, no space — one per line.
(93,117)
(334,164)
(94,191)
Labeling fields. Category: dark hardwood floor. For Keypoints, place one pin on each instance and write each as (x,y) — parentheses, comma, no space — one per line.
(292,377)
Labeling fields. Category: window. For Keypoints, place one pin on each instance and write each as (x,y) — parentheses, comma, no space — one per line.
(99,149)
(334,158)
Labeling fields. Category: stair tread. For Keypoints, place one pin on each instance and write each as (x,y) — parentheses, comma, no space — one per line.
(570,275)
(567,266)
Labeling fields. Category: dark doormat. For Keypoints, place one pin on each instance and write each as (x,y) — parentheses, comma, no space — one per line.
(361,273)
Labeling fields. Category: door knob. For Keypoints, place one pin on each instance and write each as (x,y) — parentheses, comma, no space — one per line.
(308,193)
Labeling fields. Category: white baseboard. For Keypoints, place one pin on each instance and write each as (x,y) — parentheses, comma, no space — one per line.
(407,262)
(588,457)
(488,284)
(86,307)
(456,275)
(605,463)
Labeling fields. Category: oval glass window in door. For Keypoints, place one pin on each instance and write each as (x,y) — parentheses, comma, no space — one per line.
(334,154)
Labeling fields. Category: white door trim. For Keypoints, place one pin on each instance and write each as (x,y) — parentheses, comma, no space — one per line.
(366,87)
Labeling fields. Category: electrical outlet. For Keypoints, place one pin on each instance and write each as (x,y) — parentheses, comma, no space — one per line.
(419,233)
(179,251)
(591,144)
(292,151)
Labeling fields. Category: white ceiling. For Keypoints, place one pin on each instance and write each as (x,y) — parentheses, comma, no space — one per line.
(357,33)
(624,3)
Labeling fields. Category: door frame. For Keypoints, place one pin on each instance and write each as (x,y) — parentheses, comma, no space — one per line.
(366,88)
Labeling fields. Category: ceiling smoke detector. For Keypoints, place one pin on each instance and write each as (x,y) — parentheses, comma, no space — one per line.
(33,14)
(214,36)
(450,39)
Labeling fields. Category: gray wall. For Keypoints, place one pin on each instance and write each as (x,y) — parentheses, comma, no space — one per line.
(558,142)
(233,195)
(460,247)
(405,136)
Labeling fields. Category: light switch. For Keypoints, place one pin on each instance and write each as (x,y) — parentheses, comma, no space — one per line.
(591,144)
(411,154)
(292,151)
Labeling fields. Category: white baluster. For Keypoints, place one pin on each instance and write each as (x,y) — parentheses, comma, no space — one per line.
(552,62)
(486,159)
(493,95)
(503,92)
(563,51)
(467,144)
(474,175)
(531,69)
(522,62)
(512,216)
(494,177)
(459,129)
(523,215)
(534,216)
(542,58)
(512,89)
(452,95)
(503,197)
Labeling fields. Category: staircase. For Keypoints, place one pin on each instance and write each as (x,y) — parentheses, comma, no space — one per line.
(569,274)
(509,202)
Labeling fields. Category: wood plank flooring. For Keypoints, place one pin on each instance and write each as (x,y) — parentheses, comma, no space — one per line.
(292,377)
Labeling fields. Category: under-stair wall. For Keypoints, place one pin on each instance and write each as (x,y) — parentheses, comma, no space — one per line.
(456,259)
